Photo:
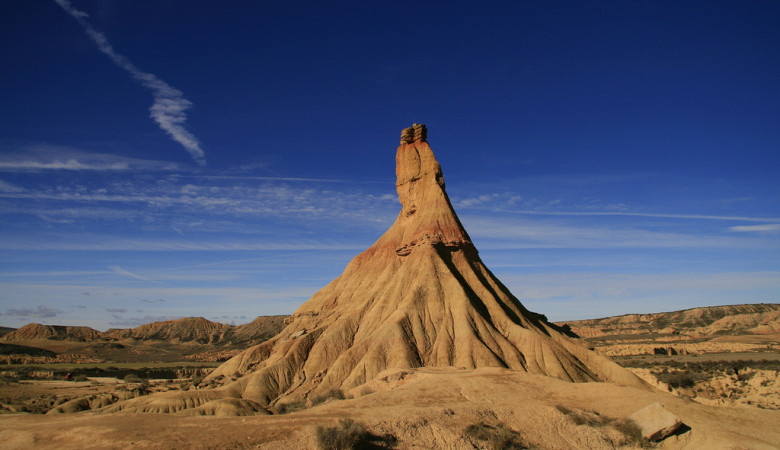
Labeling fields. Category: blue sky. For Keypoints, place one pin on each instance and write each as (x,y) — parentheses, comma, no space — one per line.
(171,158)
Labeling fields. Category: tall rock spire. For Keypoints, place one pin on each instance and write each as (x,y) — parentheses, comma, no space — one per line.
(420,296)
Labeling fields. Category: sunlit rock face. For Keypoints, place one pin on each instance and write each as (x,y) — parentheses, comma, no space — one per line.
(420,296)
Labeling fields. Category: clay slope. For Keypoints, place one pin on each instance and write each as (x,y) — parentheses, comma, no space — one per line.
(420,296)
(33,331)
(188,329)
(260,329)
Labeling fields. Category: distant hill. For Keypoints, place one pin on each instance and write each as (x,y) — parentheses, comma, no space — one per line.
(188,329)
(203,331)
(6,330)
(260,329)
(712,329)
(34,331)
(756,318)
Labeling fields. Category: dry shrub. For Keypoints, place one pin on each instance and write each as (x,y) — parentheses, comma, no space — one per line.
(631,431)
(589,418)
(348,435)
(131,378)
(677,378)
(498,437)
(335,394)
(627,427)
(285,408)
(365,390)
(8,378)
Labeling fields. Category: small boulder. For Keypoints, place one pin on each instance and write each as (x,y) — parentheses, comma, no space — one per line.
(656,422)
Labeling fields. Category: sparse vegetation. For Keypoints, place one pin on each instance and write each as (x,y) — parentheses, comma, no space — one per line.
(631,431)
(365,390)
(589,418)
(679,378)
(497,437)
(691,374)
(351,435)
(627,427)
(8,378)
(286,408)
(335,394)
(131,378)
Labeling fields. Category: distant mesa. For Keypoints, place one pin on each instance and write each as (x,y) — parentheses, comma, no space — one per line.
(187,329)
(33,331)
(419,297)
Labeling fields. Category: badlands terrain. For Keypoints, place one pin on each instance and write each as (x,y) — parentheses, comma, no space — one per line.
(426,407)
(416,345)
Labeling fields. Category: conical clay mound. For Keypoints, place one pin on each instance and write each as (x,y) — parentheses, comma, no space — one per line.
(420,296)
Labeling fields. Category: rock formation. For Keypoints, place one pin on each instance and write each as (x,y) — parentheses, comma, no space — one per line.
(416,133)
(420,296)
(656,422)
(33,331)
(188,329)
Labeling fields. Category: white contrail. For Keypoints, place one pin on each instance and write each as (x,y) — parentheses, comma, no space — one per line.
(169,105)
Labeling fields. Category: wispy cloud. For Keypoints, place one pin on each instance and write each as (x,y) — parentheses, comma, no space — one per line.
(768,228)
(513,233)
(10,188)
(639,214)
(295,179)
(177,205)
(170,105)
(112,244)
(42,157)
(40,311)
(568,296)
(127,273)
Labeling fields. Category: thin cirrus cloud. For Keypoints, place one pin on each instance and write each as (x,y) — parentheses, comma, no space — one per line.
(170,105)
(43,157)
(127,273)
(506,233)
(767,228)
(10,188)
(171,198)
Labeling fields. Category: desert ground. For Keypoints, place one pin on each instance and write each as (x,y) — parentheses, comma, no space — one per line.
(724,399)
(423,408)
